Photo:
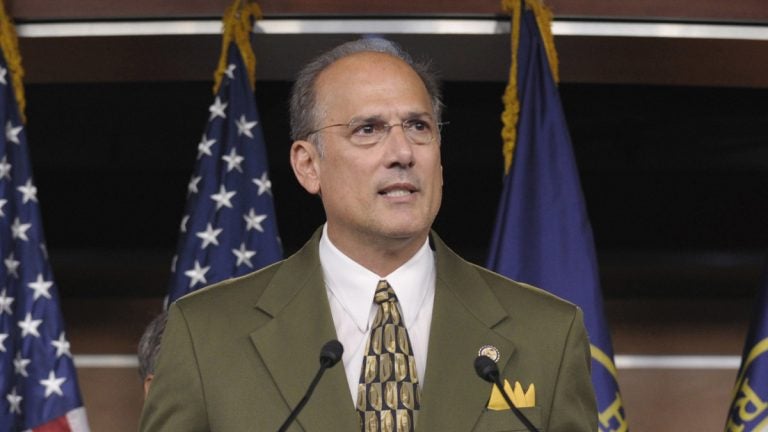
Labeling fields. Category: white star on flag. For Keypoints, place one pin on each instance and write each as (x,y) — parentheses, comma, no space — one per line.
(53,384)
(40,287)
(204,147)
(233,160)
(12,133)
(244,126)
(28,192)
(264,184)
(223,198)
(243,255)
(14,400)
(19,230)
(253,221)
(230,72)
(197,274)
(29,326)
(62,346)
(12,265)
(184,221)
(217,109)
(5,168)
(20,364)
(213,236)
(192,186)
(5,303)
(30,314)
(209,236)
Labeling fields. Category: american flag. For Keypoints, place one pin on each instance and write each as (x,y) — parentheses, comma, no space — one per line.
(38,382)
(229,227)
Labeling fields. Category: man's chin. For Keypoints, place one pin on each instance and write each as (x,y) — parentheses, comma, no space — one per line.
(406,233)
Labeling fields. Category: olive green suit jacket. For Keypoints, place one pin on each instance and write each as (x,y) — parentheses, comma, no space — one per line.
(239,355)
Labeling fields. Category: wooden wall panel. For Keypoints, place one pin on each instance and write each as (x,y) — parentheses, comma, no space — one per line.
(707,10)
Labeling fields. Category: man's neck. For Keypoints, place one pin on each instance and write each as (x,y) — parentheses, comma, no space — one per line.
(381,256)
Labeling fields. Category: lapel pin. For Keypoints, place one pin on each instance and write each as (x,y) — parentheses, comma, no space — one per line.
(490,351)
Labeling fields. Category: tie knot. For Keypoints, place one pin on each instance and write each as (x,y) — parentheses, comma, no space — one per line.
(384,293)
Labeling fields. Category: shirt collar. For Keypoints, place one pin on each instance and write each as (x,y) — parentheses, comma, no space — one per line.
(354,285)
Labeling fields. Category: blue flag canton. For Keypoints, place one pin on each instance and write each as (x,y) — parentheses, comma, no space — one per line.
(38,382)
(229,227)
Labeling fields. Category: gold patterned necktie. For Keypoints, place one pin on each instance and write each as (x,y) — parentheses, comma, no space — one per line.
(388,393)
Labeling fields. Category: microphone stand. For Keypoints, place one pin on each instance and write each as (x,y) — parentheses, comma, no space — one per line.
(329,356)
(304,400)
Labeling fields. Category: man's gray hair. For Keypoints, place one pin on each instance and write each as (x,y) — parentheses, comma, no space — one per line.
(303,109)
(149,345)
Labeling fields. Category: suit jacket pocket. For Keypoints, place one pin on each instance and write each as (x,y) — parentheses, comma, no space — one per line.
(503,421)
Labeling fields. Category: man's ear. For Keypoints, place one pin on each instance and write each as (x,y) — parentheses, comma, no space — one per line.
(304,161)
(147,382)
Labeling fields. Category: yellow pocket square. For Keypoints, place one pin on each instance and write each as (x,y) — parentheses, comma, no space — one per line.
(519,398)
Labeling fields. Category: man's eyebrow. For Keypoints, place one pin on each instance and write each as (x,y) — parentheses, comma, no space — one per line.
(419,115)
(380,118)
(366,119)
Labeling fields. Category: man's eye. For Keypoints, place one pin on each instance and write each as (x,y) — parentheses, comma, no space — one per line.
(366,129)
(417,125)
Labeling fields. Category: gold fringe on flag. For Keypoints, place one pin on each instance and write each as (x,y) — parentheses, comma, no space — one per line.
(511,101)
(237,25)
(9,43)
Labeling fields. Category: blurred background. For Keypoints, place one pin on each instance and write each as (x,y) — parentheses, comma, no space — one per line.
(666,102)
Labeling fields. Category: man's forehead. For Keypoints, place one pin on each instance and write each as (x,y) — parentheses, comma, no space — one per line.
(374,78)
(363,67)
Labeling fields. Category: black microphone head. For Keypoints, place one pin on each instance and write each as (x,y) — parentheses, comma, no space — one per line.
(331,353)
(486,368)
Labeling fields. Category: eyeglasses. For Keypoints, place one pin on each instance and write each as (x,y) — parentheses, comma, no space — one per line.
(370,132)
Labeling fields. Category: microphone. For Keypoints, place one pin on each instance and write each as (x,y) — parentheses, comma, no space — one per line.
(489,371)
(330,354)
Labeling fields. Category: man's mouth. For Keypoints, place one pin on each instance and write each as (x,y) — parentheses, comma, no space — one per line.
(396,191)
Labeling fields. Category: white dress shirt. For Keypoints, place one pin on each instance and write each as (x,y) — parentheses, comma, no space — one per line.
(350,288)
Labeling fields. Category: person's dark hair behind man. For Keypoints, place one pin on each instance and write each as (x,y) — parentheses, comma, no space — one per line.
(149,347)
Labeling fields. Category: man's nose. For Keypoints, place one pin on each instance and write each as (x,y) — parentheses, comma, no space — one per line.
(399,146)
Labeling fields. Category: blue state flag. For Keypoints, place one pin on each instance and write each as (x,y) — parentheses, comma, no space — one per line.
(38,382)
(229,227)
(749,409)
(542,234)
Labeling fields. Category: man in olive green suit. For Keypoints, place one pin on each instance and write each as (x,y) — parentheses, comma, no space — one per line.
(239,356)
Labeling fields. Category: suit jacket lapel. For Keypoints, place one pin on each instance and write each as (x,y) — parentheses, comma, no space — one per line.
(464,317)
(289,343)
